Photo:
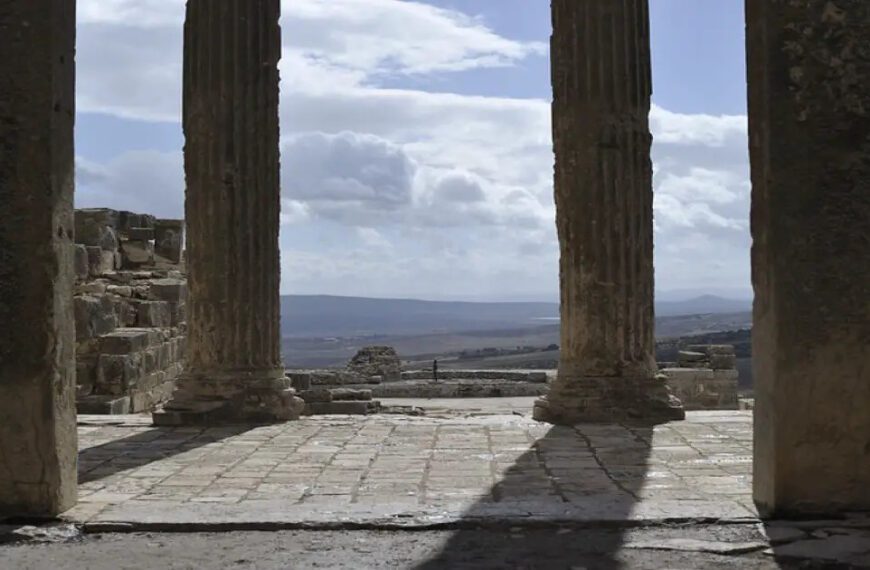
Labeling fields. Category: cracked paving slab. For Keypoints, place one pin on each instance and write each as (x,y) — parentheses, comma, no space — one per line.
(396,471)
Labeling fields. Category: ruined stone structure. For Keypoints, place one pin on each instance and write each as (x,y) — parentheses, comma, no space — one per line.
(809,87)
(326,398)
(809,114)
(601,101)
(130,310)
(705,377)
(37,336)
(377,371)
(379,361)
(234,370)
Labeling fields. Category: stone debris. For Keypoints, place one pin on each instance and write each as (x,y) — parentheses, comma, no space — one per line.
(705,377)
(130,312)
(48,533)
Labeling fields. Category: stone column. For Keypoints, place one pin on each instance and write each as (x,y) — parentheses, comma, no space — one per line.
(809,115)
(603,184)
(37,332)
(234,370)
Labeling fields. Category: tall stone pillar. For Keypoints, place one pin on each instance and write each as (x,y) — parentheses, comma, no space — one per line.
(809,128)
(603,183)
(37,332)
(234,371)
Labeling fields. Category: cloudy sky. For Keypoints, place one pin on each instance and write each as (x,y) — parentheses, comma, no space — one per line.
(416,149)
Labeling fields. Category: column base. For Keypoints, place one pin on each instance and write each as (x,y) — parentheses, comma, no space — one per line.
(261,397)
(608,400)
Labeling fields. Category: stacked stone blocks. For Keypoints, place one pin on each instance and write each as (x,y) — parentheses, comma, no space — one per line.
(130,310)
(705,377)
(324,400)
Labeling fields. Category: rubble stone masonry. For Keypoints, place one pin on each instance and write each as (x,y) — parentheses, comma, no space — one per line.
(130,310)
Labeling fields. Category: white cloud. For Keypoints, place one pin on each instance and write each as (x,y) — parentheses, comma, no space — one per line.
(400,192)
(142,181)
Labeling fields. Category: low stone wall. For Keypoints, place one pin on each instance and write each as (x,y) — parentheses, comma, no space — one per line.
(533,376)
(421,383)
(705,377)
(326,400)
(129,309)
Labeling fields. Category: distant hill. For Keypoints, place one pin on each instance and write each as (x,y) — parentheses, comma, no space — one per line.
(705,304)
(321,315)
(307,316)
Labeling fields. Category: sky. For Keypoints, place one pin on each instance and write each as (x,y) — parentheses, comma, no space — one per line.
(416,149)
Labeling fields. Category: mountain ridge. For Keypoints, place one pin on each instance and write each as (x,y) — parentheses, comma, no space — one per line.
(337,316)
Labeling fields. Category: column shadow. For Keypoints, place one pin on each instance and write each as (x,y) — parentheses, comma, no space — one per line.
(589,478)
(107,459)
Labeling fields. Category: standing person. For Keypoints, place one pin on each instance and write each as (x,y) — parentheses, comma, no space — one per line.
(435,370)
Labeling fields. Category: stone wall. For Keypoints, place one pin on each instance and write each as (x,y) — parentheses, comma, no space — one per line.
(704,377)
(129,310)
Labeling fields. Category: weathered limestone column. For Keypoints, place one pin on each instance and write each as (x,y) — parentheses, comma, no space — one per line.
(37,332)
(809,115)
(601,102)
(231,53)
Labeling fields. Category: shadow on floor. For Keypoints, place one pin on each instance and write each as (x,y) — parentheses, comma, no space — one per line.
(559,478)
(140,449)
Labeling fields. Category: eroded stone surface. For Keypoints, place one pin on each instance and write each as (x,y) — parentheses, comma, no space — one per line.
(37,359)
(130,324)
(809,114)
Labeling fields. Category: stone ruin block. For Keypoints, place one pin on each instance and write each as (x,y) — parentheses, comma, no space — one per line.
(91,225)
(377,361)
(100,261)
(349,394)
(94,316)
(169,239)
(140,234)
(154,314)
(316,395)
(136,254)
(129,220)
(300,381)
(118,373)
(118,275)
(80,262)
(171,290)
(126,312)
(127,341)
(86,375)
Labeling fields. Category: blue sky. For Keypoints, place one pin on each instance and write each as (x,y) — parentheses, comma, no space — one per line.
(416,149)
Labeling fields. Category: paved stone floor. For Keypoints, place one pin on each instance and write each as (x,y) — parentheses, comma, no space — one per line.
(398,471)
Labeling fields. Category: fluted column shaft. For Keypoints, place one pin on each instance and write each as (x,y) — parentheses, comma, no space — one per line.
(604,211)
(231,55)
